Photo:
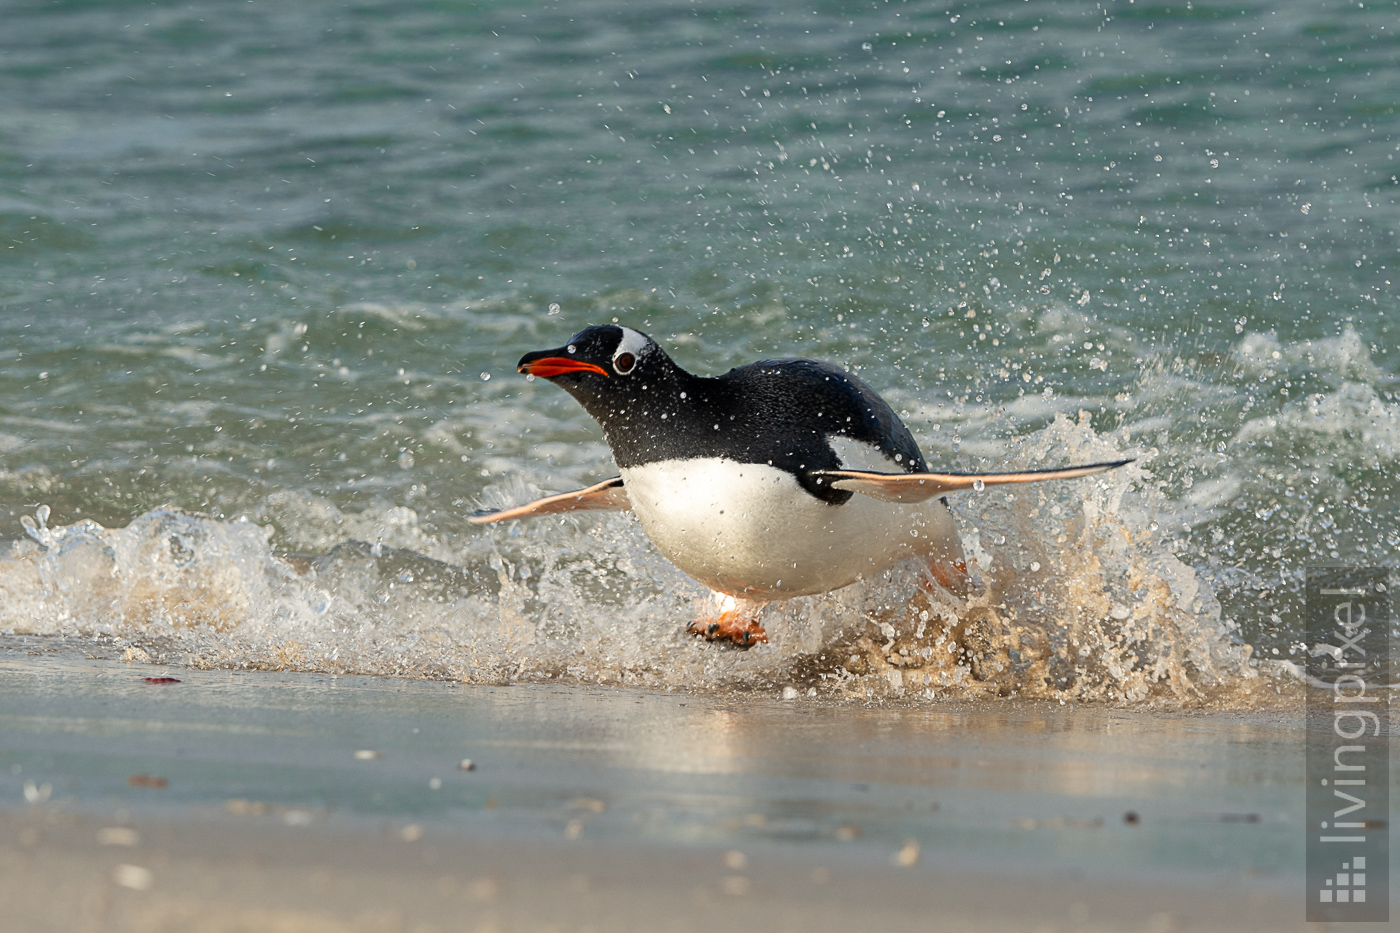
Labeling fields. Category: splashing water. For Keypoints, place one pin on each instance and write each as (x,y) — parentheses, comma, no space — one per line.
(1078,600)
(1093,211)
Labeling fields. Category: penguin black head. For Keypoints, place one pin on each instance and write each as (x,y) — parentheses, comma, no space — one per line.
(605,352)
(606,368)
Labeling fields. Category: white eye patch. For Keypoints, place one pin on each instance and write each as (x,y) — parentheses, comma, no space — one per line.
(629,351)
(631,342)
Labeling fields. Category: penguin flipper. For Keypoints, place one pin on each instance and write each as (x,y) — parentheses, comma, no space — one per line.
(609,494)
(916,487)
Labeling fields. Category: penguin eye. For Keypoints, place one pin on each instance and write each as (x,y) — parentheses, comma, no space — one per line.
(623,363)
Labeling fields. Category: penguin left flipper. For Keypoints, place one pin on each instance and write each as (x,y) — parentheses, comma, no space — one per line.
(609,494)
(916,487)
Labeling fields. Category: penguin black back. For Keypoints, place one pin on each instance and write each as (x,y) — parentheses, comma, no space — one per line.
(778,412)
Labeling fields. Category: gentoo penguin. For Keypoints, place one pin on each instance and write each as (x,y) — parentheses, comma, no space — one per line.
(777,479)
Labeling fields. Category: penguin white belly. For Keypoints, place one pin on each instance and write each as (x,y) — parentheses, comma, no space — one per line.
(751,530)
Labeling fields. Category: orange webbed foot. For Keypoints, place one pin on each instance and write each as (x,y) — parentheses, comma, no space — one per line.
(723,617)
(742,632)
(951,574)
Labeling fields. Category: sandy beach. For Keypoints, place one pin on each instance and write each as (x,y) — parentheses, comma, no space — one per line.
(274,801)
(208,874)
(267,273)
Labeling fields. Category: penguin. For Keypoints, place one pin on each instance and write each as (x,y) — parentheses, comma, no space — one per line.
(782,478)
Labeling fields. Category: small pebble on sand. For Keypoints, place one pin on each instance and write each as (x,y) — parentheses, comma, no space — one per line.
(132,876)
(148,780)
(118,836)
(907,856)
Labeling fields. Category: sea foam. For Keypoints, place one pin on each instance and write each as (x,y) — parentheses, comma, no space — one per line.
(1080,598)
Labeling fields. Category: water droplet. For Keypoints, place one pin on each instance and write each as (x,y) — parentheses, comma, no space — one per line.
(978,485)
(406,459)
(37,793)
(1035,566)
(866,46)
(485,377)
(38,530)
(554,307)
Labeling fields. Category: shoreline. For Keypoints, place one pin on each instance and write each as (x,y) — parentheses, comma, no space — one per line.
(258,800)
(1285,700)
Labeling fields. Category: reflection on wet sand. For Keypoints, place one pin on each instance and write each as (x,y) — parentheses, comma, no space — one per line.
(962,778)
(1005,786)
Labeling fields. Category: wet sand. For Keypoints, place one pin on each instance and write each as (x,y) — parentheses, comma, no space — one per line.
(237,801)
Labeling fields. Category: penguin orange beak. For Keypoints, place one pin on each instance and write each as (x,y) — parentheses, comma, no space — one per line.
(547,367)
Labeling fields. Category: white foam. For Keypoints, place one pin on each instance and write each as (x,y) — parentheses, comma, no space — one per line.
(1345,356)
(1354,423)
(1080,600)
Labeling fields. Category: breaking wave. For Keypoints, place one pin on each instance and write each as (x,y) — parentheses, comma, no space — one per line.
(1080,599)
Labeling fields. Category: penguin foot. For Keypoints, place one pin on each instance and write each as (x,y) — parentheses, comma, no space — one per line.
(951,574)
(731,625)
(722,617)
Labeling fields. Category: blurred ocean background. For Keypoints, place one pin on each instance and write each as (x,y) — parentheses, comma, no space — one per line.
(265,271)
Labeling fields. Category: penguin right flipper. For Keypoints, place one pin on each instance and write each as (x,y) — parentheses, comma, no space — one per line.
(915,487)
(609,494)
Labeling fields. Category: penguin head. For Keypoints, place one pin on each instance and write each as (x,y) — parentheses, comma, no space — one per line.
(602,365)
(595,354)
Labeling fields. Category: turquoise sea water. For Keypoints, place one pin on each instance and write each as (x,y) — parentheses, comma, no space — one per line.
(265,272)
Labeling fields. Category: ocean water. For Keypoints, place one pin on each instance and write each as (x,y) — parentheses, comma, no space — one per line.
(265,271)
